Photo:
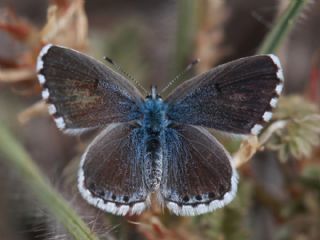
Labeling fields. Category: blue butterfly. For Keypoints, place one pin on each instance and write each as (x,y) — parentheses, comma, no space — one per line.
(151,145)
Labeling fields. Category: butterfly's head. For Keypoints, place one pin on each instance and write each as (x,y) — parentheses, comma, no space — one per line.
(154,94)
(154,102)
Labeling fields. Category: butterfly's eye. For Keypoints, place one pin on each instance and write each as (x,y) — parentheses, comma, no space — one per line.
(148,97)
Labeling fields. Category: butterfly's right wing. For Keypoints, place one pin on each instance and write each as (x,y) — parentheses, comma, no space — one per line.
(235,97)
(82,92)
(111,173)
(198,176)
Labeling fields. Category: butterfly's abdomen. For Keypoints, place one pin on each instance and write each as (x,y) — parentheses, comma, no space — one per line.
(153,163)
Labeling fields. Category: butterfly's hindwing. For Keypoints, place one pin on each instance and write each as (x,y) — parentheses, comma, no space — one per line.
(198,176)
(111,175)
(82,92)
(235,97)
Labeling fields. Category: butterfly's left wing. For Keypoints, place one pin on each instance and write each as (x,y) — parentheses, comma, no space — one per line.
(235,97)
(82,92)
(111,172)
(198,176)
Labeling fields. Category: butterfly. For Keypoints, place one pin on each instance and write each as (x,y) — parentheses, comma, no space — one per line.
(154,145)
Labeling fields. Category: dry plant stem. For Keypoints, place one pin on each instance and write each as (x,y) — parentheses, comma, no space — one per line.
(282,26)
(265,136)
(247,149)
(59,24)
(251,145)
(39,108)
(19,159)
(16,75)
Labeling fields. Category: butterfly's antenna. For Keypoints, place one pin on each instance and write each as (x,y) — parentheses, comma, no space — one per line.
(191,65)
(109,60)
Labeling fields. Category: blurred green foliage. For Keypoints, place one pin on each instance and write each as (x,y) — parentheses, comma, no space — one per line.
(302,130)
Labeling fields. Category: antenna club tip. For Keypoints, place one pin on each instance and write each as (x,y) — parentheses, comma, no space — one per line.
(108,59)
(195,61)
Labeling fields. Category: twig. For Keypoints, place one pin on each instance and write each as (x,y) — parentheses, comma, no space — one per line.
(283,25)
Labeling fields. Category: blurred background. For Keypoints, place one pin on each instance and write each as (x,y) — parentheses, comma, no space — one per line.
(279,191)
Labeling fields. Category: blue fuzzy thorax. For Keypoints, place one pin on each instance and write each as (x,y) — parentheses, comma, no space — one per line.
(154,116)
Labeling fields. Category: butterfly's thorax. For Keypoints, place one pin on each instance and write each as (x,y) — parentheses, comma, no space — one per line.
(154,116)
(153,123)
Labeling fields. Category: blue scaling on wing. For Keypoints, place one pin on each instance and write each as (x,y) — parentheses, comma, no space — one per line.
(83,93)
(111,175)
(198,176)
(235,97)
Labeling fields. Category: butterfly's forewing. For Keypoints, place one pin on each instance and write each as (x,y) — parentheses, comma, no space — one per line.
(198,176)
(236,97)
(110,176)
(82,92)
